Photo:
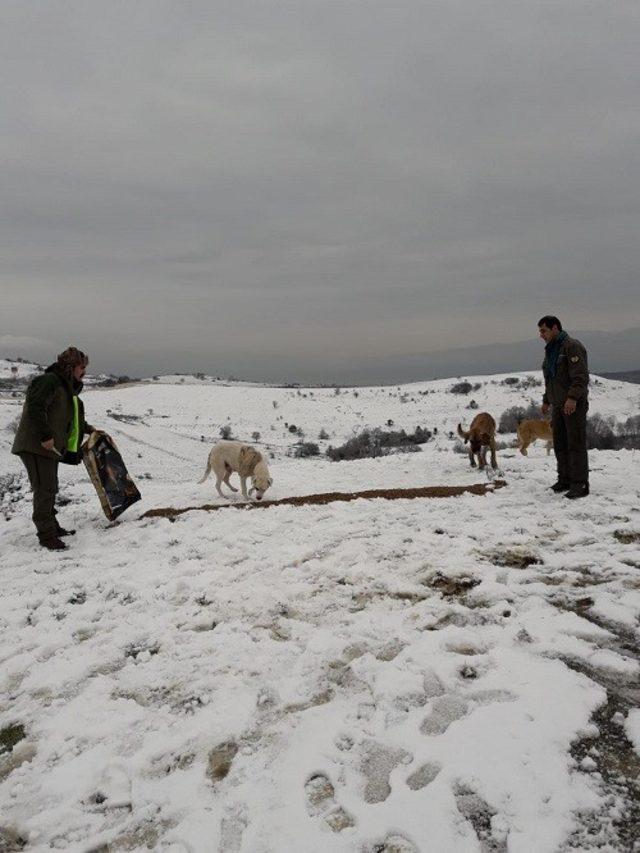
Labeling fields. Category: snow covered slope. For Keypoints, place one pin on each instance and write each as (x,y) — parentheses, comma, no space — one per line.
(429,674)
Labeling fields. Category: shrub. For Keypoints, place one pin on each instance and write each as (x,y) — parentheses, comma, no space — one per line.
(255,435)
(600,433)
(323,435)
(461,388)
(305,449)
(292,428)
(225,431)
(530,382)
(472,404)
(511,380)
(510,418)
(372,443)
(626,435)
(632,425)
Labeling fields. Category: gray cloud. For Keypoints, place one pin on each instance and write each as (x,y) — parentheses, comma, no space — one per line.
(249,186)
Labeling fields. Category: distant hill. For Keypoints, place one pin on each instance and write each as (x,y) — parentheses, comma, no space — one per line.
(608,352)
(624,376)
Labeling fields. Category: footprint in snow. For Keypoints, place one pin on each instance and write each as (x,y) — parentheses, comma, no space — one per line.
(321,803)
(487,824)
(424,775)
(393,843)
(234,822)
(377,763)
(114,788)
(449,708)
(444,711)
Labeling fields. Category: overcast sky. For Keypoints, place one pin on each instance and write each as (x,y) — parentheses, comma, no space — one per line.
(286,189)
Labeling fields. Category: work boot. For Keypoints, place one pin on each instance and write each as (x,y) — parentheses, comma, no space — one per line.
(52,543)
(560,487)
(581,490)
(60,531)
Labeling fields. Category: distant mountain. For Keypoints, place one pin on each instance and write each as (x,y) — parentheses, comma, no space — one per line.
(625,376)
(608,352)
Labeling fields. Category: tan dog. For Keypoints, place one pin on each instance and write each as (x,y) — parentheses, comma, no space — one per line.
(481,434)
(530,431)
(229,457)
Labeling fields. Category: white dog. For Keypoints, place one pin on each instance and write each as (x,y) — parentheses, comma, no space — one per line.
(228,457)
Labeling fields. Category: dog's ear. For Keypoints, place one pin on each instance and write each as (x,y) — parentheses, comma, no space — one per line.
(248,458)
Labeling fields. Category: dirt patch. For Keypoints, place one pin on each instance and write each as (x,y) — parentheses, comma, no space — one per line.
(452,587)
(220,760)
(11,840)
(609,753)
(10,736)
(514,559)
(336,497)
(612,755)
(627,537)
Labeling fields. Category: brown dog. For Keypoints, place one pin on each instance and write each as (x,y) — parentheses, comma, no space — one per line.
(530,431)
(481,434)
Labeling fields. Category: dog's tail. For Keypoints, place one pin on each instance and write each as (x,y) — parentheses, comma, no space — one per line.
(463,434)
(207,472)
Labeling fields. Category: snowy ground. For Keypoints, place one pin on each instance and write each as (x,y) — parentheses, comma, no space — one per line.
(431,675)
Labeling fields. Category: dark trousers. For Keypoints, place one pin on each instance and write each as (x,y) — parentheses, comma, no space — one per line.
(570,444)
(43,476)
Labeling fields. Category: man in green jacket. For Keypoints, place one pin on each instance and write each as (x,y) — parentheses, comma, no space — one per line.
(566,379)
(50,431)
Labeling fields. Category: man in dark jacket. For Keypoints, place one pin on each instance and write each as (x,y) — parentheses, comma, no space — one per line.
(51,430)
(566,379)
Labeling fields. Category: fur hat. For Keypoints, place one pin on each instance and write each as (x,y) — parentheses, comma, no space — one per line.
(71,358)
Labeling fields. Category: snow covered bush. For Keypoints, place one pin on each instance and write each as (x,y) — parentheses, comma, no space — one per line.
(461,388)
(601,433)
(510,418)
(305,449)
(376,442)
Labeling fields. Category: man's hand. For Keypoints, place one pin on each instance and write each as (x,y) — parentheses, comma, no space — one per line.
(569,406)
(545,408)
(48,444)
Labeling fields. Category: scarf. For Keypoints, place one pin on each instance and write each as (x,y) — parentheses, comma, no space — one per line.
(552,353)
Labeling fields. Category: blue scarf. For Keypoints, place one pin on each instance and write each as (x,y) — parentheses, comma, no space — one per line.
(552,353)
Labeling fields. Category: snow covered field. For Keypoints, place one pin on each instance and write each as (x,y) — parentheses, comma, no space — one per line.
(437,675)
